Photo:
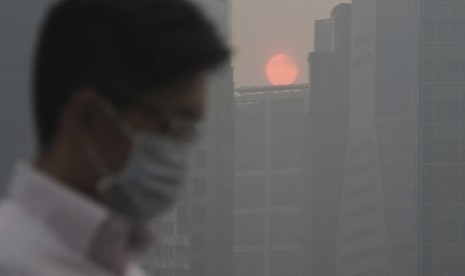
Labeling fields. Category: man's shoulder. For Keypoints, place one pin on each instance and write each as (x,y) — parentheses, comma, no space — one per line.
(30,248)
(18,225)
(22,237)
(19,228)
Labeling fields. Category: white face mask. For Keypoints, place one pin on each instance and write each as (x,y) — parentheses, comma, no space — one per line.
(151,179)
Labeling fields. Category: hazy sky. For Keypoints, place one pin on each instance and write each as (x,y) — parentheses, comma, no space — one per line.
(264,28)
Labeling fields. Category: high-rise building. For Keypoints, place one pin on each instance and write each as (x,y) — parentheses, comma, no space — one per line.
(170,256)
(195,239)
(403,203)
(326,134)
(323,41)
(267,186)
(442,138)
(378,218)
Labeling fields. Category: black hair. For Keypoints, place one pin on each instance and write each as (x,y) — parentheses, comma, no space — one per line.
(122,48)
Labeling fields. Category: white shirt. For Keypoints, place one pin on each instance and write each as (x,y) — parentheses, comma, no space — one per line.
(46,229)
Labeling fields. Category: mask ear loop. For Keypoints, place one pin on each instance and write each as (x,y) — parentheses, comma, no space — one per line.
(96,160)
(92,151)
(113,113)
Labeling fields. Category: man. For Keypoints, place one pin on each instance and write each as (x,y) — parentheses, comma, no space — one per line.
(118,93)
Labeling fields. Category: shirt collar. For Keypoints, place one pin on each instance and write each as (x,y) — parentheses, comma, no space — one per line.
(80,223)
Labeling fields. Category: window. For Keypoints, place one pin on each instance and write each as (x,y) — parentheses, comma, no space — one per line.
(285,262)
(249,263)
(198,269)
(198,242)
(182,215)
(249,192)
(285,190)
(198,214)
(200,159)
(199,187)
(285,228)
(249,229)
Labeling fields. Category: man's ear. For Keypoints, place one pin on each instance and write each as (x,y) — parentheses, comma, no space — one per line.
(83,109)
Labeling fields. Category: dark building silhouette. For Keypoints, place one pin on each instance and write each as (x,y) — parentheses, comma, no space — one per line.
(323,41)
(326,139)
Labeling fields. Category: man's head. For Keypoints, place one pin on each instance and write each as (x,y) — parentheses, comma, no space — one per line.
(147,58)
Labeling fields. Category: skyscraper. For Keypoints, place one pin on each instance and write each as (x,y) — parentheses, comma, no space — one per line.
(376,202)
(442,138)
(378,218)
(324,35)
(267,186)
(326,134)
(403,202)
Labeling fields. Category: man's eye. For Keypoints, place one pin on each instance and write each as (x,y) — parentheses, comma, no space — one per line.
(165,127)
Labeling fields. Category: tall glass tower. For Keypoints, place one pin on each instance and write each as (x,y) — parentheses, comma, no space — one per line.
(442,157)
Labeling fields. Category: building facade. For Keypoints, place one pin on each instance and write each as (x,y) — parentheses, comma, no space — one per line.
(442,150)
(378,220)
(267,180)
(323,42)
(402,204)
(373,215)
(326,135)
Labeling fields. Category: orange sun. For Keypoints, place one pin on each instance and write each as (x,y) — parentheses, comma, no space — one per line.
(282,70)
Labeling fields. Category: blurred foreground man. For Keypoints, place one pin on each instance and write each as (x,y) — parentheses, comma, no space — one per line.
(119,88)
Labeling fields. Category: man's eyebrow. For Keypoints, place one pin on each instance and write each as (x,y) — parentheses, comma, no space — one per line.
(189,113)
(185,112)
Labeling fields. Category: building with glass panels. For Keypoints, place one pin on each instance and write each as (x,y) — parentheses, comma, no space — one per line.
(378,233)
(170,255)
(373,207)
(267,180)
(403,201)
(442,150)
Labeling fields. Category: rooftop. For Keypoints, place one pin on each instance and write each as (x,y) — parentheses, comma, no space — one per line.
(274,89)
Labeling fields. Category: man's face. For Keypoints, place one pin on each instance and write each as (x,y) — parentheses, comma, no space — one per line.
(173,113)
